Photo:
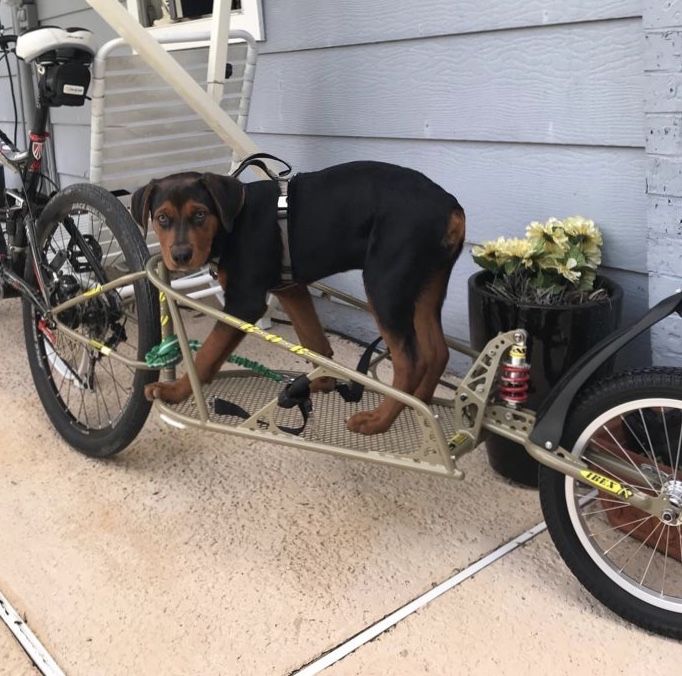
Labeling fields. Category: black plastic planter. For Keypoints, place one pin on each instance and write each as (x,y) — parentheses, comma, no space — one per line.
(558,335)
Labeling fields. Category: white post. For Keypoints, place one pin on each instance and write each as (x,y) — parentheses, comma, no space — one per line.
(217,50)
(169,69)
(134,9)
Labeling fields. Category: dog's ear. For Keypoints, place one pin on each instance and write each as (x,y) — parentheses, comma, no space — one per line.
(140,204)
(228,195)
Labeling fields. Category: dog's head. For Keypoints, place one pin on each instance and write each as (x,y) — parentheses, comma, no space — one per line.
(187,210)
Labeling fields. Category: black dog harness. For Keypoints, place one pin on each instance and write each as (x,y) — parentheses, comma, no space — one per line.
(282,179)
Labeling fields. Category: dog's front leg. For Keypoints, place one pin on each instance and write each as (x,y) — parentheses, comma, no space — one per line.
(297,302)
(217,347)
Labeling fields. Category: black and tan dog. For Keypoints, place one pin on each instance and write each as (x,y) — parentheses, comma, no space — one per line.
(402,230)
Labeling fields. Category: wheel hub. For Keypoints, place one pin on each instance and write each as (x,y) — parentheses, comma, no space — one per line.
(672,515)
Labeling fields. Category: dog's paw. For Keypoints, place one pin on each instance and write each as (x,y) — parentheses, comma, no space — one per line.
(171,393)
(367,422)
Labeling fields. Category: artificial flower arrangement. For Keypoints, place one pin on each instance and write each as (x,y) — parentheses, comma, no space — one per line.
(556,263)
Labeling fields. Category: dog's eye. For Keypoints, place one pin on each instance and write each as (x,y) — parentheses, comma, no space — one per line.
(200,216)
(163,220)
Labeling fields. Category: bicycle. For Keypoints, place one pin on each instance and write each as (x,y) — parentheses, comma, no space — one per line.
(610,476)
(56,245)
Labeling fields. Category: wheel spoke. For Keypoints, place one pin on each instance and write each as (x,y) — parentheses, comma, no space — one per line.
(651,446)
(667,438)
(639,549)
(606,509)
(626,453)
(620,526)
(653,551)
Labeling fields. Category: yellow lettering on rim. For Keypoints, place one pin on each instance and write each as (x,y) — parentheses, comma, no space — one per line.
(605,483)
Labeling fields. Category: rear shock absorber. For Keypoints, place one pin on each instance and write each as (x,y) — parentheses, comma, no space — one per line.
(515,377)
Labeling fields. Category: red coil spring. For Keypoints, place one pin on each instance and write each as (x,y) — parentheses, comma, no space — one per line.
(514,383)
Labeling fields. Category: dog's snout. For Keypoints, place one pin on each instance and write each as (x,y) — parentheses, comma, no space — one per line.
(181,253)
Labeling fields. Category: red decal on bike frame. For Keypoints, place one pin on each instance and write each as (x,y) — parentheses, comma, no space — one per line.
(37,143)
(42,327)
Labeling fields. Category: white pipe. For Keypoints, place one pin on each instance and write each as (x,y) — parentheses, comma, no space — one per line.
(211,291)
(217,50)
(169,69)
(192,280)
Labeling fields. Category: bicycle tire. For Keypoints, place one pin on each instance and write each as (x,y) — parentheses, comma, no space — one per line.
(138,314)
(606,543)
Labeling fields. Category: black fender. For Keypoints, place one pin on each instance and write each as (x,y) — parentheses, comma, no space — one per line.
(550,418)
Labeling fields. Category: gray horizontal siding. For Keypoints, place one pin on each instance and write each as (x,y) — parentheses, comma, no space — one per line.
(6,107)
(580,84)
(74,13)
(56,8)
(664,14)
(307,24)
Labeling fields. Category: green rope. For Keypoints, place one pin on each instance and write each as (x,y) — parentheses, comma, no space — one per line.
(255,367)
(168,353)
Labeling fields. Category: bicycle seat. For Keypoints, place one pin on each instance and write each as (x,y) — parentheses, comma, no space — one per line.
(51,45)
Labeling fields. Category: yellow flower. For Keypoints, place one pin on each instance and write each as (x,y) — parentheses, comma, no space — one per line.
(551,232)
(567,271)
(489,250)
(548,239)
(584,229)
(518,248)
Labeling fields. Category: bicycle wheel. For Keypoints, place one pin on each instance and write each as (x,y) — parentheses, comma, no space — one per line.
(96,403)
(628,428)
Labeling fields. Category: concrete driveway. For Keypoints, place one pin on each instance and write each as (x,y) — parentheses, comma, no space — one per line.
(198,554)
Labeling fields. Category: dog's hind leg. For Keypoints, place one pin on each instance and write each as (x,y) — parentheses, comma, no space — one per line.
(408,371)
(430,337)
(428,310)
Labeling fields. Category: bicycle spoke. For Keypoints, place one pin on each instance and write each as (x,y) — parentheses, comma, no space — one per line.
(653,551)
(667,438)
(639,549)
(104,401)
(606,509)
(637,523)
(627,455)
(651,446)
(665,559)
(676,466)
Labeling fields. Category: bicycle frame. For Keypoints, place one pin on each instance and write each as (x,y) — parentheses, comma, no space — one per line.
(28,165)
(467,417)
